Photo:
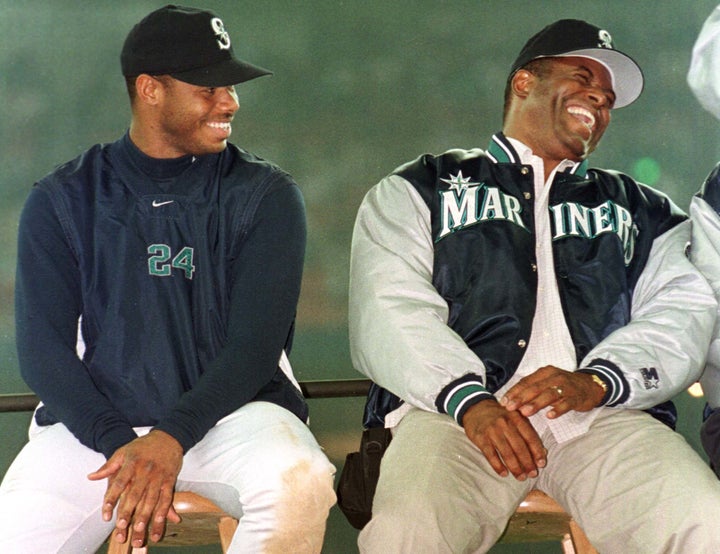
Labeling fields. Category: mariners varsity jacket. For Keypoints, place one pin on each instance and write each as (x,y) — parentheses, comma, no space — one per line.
(443,283)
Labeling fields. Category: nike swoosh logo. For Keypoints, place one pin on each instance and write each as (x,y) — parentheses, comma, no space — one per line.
(156,204)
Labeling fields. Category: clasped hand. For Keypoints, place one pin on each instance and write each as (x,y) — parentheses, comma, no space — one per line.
(502,430)
(141,479)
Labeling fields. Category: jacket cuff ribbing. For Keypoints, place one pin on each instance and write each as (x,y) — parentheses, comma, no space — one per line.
(456,398)
(618,387)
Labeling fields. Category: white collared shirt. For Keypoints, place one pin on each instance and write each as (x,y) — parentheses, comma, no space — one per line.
(550,342)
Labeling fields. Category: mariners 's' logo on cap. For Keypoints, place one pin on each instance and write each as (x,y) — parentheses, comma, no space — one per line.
(605,39)
(223,36)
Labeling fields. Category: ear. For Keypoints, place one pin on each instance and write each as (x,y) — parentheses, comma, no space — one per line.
(148,89)
(522,83)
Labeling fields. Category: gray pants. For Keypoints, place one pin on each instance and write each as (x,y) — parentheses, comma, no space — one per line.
(631,483)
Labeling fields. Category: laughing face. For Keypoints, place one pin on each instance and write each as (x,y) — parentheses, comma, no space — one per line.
(566,107)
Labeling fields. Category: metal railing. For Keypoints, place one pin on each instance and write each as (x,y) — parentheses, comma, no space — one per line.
(331,388)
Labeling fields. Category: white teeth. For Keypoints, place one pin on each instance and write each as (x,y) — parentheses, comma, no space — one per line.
(586,114)
(225,125)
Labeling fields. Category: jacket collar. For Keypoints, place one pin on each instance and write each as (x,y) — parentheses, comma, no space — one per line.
(502,151)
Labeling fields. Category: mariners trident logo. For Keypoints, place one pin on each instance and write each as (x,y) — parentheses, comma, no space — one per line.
(467,203)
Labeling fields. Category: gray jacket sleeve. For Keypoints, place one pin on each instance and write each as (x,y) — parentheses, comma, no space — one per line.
(399,335)
(705,254)
(662,350)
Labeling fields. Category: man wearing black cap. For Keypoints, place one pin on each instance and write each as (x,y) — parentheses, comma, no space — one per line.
(524,318)
(178,258)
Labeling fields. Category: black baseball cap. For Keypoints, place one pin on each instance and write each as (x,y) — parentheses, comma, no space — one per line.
(574,37)
(188,44)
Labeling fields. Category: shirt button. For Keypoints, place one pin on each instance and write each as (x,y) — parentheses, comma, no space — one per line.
(527,195)
(522,343)
(524,170)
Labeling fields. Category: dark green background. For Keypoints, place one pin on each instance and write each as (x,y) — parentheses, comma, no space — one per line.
(359,88)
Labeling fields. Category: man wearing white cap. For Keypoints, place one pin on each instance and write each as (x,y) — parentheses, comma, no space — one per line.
(181,255)
(526,321)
